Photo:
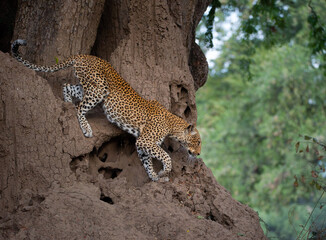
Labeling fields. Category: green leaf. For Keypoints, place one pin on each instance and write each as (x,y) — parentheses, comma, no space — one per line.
(312,19)
(318,186)
(307,137)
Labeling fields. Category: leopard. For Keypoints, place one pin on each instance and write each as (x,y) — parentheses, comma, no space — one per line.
(147,120)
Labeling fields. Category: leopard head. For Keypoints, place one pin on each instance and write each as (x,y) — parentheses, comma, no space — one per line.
(193,141)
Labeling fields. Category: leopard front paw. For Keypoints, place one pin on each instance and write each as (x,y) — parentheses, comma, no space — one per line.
(154,177)
(164,179)
(87,131)
(162,176)
(88,134)
(162,173)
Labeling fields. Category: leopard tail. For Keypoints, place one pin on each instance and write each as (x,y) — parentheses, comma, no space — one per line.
(15,53)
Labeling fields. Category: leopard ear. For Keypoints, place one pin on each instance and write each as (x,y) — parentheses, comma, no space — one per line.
(190,128)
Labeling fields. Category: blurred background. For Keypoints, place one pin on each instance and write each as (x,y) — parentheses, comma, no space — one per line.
(261,113)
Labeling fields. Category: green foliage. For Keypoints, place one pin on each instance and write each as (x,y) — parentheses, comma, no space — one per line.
(250,128)
(284,222)
(270,22)
(255,123)
(315,224)
(314,151)
(209,22)
(317,33)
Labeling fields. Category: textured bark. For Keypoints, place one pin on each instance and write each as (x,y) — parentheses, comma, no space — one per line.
(57,184)
(159,36)
(7,21)
(55,30)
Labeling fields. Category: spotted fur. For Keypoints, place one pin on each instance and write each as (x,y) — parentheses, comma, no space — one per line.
(147,120)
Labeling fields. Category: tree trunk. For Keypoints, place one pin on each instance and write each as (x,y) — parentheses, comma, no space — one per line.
(149,43)
(57,184)
(55,30)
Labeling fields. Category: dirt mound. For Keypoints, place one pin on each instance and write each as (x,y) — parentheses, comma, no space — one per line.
(57,184)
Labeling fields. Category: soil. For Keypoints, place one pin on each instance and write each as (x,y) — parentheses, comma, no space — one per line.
(57,184)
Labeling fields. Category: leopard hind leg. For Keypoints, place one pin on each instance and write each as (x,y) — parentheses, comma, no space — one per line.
(70,91)
(90,99)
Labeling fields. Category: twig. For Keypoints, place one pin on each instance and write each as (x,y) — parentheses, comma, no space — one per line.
(310,215)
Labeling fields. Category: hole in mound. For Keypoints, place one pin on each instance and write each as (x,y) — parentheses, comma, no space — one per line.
(170,149)
(211,217)
(74,163)
(187,112)
(38,198)
(184,92)
(109,172)
(223,219)
(104,157)
(108,161)
(106,199)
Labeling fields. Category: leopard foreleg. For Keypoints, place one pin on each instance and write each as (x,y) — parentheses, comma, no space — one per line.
(146,151)
(148,165)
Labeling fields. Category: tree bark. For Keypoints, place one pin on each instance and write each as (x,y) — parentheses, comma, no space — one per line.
(57,184)
(55,30)
(150,44)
